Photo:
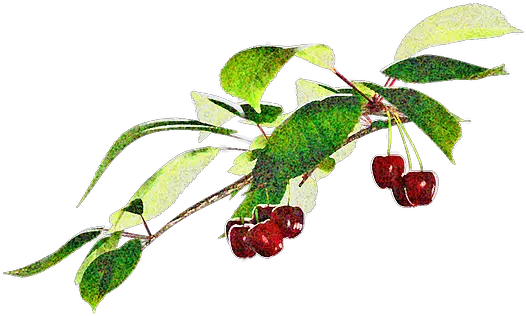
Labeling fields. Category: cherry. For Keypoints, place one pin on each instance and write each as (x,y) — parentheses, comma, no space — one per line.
(235,221)
(387,169)
(240,242)
(399,193)
(263,211)
(289,219)
(420,187)
(266,238)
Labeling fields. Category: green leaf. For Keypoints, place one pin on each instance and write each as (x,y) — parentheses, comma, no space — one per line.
(248,73)
(135,207)
(147,128)
(268,114)
(304,196)
(429,115)
(45,263)
(465,22)
(211,112)
(161,190)
(308,91)
(102,246)
(319,55)
(431,68)
(108,271)
(279,119)
(244,163)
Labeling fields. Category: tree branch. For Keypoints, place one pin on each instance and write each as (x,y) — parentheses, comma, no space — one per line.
(199,206)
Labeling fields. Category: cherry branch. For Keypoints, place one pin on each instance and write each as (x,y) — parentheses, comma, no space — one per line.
(199,206)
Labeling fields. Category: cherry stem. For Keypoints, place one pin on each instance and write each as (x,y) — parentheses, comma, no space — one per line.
(389,129)
(262,131)
(411,142)
(351,84)
(146,226)
(398,123)
(199,206)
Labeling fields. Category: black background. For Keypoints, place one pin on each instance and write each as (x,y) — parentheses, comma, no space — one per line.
(71,92)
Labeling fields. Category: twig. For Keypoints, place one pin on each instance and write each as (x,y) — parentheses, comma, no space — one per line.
(238,185)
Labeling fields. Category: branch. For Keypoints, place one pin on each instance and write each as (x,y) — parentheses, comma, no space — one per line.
(199,206)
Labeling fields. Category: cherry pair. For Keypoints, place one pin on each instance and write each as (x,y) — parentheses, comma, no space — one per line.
(264,232)
(412,189)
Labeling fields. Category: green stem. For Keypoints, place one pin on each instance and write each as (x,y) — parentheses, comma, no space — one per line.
(398,123)
(412,145)
(390,134)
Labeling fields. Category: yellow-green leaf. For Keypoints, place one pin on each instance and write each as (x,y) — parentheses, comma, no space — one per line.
(102,246)
(319,55)
(465,22)
(161,190)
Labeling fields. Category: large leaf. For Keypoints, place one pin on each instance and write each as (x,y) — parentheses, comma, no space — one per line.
(147,128)
(45,263)
(428,114)
(248,73)
(161,190)
(103,245)
(217,111)
(108,271)
(431,68)
(465,22)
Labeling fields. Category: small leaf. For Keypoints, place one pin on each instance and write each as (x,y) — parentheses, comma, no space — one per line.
(248,73)
(102,246)
(429,115)
(431,68)
(161,190)
(147,128)
(327,164)
(268,114)
(211,112)
(465,22)
(135,207)
(45,263)
(308,91)
(319,55)
(304,196)
(108,271)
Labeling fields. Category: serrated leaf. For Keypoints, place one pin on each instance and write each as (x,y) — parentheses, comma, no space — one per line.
(307,91)
(304,196)
(147,128)
(247,74)
(161,190)
(108,271)
(428,114)
(68,248)
(101,246)
(210,112)
(431,68)
(319,55)
(465,22)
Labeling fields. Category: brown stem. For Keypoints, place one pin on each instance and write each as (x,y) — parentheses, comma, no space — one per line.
(351,85)
(126,234)
(146,226)
(238,185)
(262,131)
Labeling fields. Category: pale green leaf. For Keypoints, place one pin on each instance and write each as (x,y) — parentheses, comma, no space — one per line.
(304,196)
(68,248)
(147,128)
(244,163)
(307,91)
(102,246)
(210,112)
(108,271)
(465,22)
(319,55)
(161,190)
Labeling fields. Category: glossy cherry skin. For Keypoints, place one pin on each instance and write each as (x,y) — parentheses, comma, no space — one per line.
(240,242)
(399,194)
(290,220)
(235,221)
(387,170)
(420,187)
(266,238)
(263,212)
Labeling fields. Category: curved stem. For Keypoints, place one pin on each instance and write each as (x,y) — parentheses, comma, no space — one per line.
(398,123)
(412,145)
(390,134)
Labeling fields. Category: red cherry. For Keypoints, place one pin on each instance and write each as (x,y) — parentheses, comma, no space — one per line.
(240,242)
(263,212)
(420,187)
(399,193)
(235,221)
(266,238)
(289,219)
(387,169)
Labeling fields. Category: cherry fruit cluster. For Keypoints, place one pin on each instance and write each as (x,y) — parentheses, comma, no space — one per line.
(264,232)
(411,189)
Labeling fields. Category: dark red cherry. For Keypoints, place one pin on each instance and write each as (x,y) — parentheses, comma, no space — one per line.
(266,238)
(399,193)
(240,242)
(420,187)
(289,219)
(235,221)
(263,213)
(387,169)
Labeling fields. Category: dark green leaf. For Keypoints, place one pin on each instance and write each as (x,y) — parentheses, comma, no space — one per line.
(134,207)
(45,263)
(428,114)
(147,128)
(108,271)
(268,114)
(431,68)
(101,246)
